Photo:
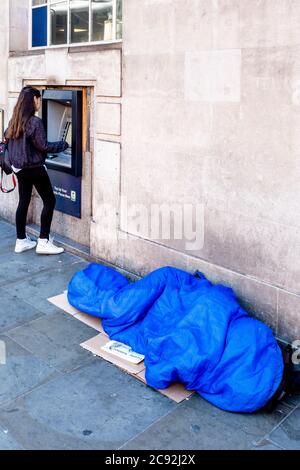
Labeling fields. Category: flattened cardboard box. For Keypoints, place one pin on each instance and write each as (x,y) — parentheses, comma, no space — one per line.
(175,392)
(61,301)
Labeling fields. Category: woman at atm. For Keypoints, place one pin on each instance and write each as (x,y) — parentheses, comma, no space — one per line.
(28,148)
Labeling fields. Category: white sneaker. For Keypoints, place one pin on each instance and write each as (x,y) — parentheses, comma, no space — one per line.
(47,247)
(24,245)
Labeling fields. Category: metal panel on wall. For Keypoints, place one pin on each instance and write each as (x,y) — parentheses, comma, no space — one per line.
(39,27)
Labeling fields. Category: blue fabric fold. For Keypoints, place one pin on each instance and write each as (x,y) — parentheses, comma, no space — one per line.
(189,330)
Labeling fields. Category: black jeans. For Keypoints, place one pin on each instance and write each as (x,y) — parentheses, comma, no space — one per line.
(39,178)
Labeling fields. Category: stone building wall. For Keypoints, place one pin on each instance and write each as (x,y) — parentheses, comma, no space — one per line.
(201,109)
(211,116)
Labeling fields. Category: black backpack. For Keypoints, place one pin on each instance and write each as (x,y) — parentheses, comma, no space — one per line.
(6,168)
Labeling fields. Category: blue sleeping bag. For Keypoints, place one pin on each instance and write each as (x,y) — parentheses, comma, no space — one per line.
(189,330)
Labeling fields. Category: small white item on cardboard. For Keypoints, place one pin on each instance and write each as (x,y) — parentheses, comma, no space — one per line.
(123,351)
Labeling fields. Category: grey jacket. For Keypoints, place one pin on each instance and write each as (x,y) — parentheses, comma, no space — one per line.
(30,150)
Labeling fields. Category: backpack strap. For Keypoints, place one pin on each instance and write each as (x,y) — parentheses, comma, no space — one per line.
(5,190)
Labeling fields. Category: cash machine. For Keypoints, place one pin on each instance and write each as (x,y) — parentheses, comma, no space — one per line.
(62,117)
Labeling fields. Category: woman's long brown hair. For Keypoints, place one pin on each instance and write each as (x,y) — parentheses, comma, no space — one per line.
(23,111)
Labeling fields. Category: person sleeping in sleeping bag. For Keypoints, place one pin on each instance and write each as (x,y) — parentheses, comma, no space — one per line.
(189,331)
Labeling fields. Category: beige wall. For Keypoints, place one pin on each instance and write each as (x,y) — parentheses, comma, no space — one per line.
(19,17)
(210,106)
(211,115)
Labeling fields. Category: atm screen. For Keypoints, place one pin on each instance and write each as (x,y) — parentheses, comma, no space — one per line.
(60,128)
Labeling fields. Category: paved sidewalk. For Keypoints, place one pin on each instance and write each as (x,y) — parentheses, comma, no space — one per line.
(55,395)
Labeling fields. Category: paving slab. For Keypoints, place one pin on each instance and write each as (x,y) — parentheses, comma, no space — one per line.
(37,289)
(7,245)
(56,340)
(95,407)
(7,442)
(196,424)
(22,372)
(287,434)
(15,312)
(7,230)
(266,445)
(17,266)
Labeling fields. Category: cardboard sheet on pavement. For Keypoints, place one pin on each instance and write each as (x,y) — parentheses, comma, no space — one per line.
(175,392)
(61,301)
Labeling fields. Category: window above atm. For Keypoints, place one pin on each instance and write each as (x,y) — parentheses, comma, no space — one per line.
(75,22)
